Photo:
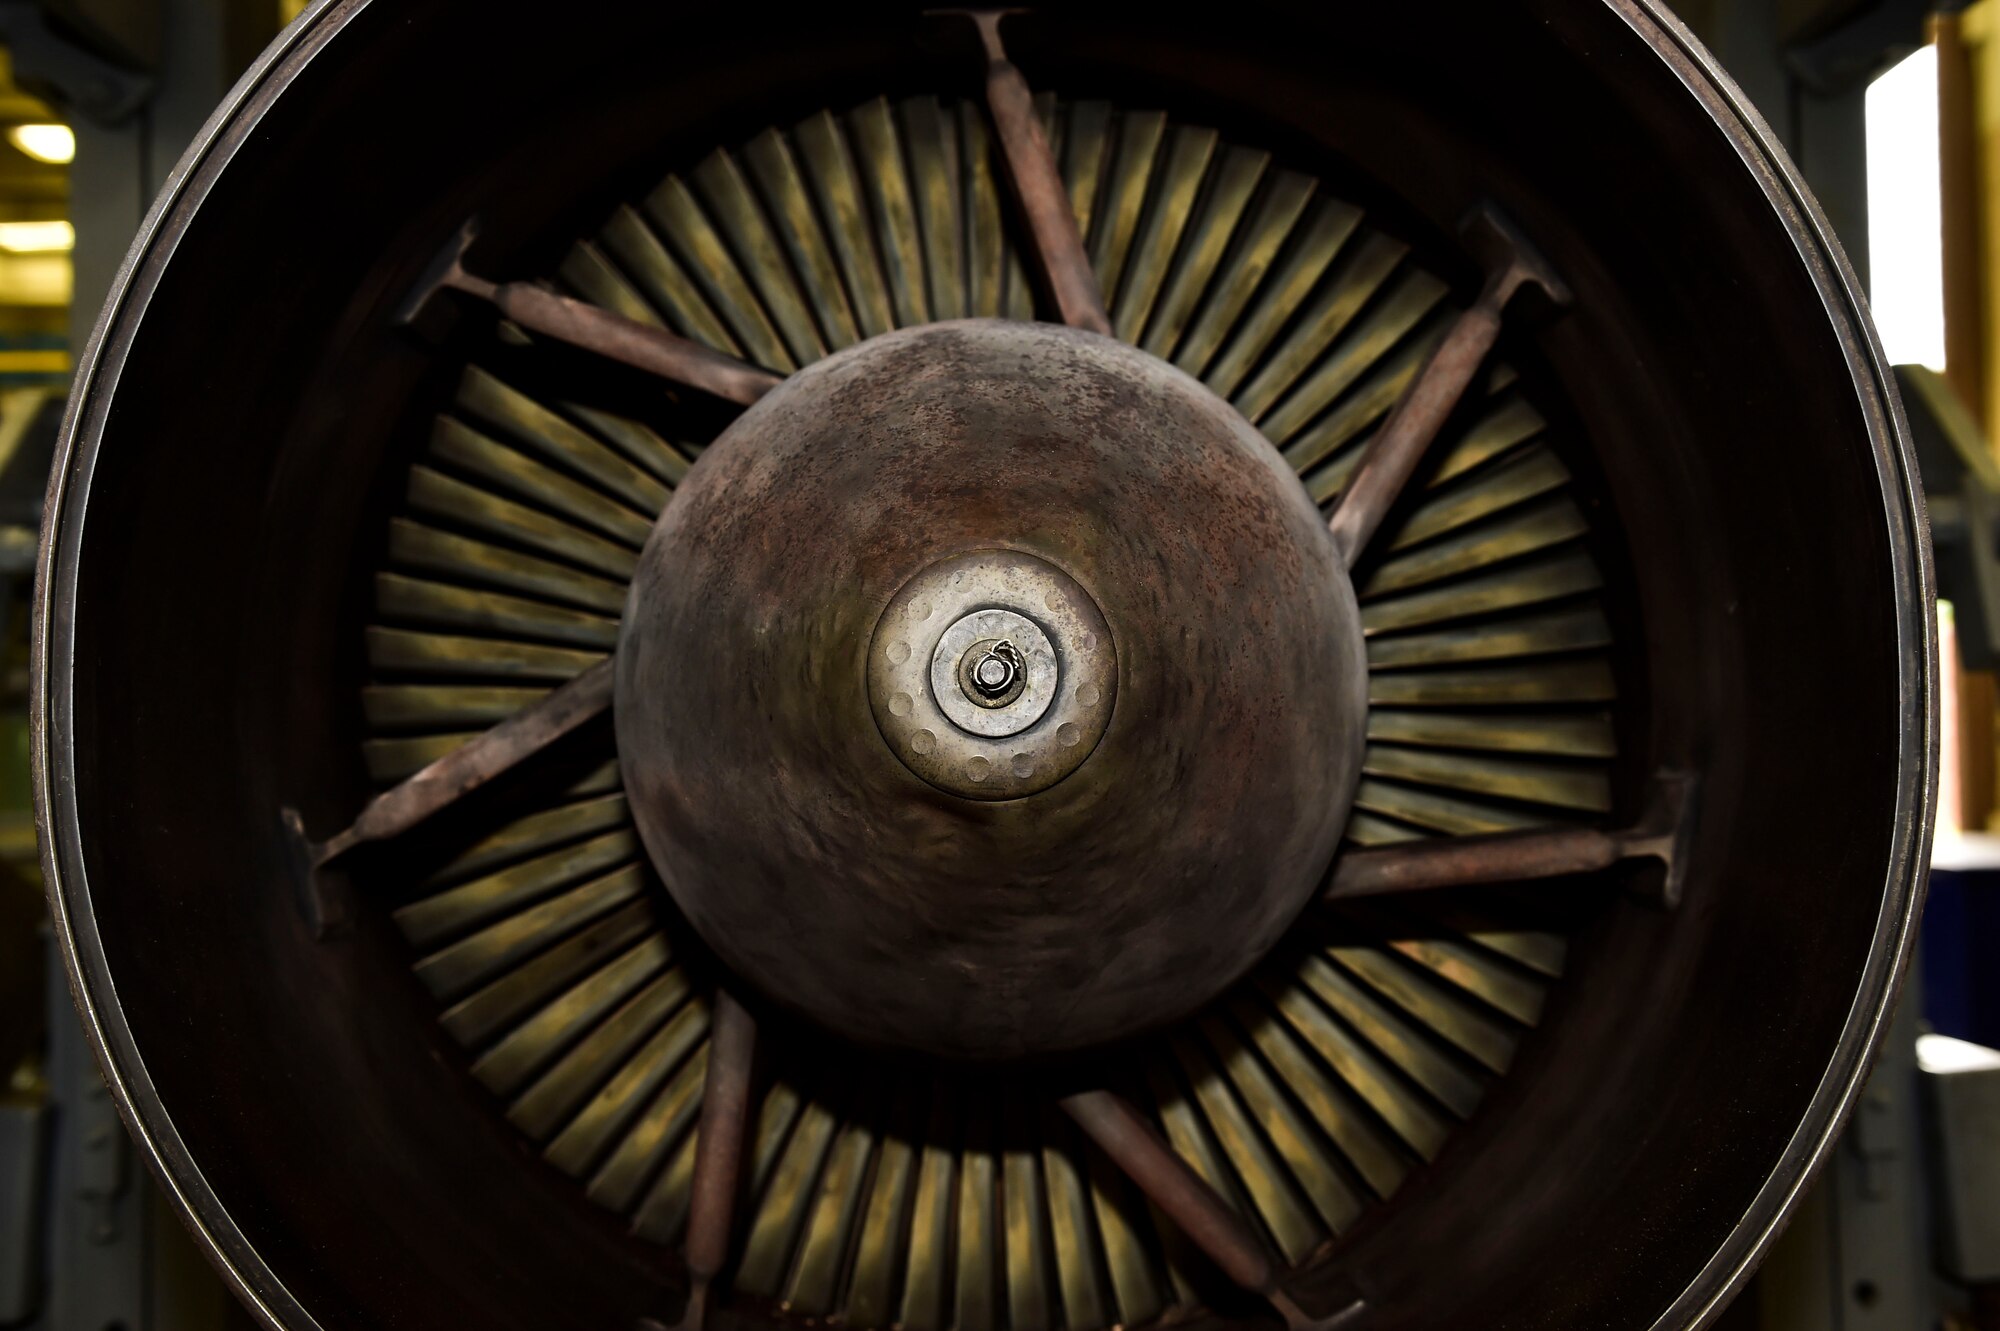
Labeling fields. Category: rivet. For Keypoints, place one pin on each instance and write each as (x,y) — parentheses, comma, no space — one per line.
(900,705)
(898,653)
(923,741)
(1068,733)
(1024,765)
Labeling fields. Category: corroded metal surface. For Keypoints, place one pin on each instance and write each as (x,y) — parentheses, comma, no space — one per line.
(1170,1183)
(719,1153)
(1661,835)
(1038,184)
(602,332)
(819,865)
(469,767)
(1511,264)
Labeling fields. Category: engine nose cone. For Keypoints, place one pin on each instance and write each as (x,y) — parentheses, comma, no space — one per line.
(989,690)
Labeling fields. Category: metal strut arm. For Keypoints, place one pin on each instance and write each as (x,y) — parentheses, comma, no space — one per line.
(1513,857)
(718,1153)
(1511,263)
(1038,184)
(1184,1197)
(601,332)
(474,763)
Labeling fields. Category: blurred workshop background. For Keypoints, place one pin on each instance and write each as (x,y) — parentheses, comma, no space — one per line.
(1891,109)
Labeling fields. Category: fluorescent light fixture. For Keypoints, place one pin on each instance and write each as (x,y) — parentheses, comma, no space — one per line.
(40,280)
(1905,216)
(44,143)
(37,237)
(1943,1056)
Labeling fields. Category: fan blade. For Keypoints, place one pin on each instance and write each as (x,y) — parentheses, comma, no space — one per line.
(1038,182)
(1513,857)
(1395,451)
(475,762)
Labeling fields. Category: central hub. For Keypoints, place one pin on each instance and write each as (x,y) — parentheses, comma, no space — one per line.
(992,674)
(990,690)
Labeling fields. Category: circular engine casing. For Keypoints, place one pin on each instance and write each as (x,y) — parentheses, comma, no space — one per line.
(247,393)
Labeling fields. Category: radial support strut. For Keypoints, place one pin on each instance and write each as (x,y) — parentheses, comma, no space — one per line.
(1514,857)
(1038,184)
(718,1153)
(643,347)
(473,764)
(1184,1197)
(1392,456)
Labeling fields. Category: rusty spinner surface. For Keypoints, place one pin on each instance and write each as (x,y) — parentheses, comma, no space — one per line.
(1123,895)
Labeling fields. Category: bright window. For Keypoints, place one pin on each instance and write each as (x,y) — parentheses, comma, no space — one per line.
(1905,231)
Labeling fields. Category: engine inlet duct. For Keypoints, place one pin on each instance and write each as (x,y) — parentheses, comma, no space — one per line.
(988,671)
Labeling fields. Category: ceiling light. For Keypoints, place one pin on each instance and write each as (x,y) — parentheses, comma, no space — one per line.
(44,143)
(36,237)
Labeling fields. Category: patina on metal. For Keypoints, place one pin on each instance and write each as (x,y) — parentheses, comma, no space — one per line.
(580,324)
(1038,184)
(467,768)
(1512,264)
(1661,835)
(1116,861)
(1134,1145)
(719,1154)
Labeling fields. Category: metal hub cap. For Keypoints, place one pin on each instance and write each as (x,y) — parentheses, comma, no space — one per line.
(989,690)
(992,675)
